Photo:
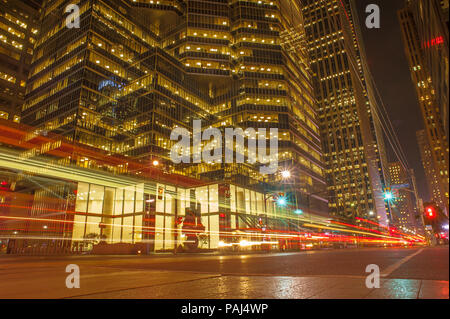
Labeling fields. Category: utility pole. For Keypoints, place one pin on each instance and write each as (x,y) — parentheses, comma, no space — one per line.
(419,207)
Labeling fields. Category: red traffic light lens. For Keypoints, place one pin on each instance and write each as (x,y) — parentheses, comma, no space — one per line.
(430,212)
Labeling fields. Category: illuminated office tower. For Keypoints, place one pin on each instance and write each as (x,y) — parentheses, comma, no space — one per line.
(137,69)
(18,31)
(430,98)
(429,20)
(272,89)
(431,176)
(403,207)
(109,84)
(352,142)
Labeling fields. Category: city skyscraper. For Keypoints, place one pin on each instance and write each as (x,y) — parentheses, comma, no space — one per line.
(403,208)
(430,93)
(431,175)
(135,70)
(431,24)
(352,140)
(18,32)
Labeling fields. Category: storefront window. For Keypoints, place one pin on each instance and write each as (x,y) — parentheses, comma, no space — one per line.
(214,198)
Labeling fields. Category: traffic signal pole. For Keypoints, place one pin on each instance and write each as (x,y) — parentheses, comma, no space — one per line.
(419,206)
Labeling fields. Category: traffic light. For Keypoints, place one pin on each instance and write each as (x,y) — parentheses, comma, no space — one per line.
(430,212)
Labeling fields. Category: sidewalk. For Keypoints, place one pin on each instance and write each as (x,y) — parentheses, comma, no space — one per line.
(100,282)
(263,287)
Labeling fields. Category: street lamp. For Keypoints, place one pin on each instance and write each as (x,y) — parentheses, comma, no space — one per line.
(285,174)
(298,211)
(155,163)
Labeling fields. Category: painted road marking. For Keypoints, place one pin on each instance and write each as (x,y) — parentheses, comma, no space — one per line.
(389,270)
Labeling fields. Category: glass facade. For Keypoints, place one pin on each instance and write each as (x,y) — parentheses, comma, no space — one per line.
(58,208)
(135,70)
(18,33)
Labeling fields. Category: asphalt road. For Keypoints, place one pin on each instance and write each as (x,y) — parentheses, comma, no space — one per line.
(405,273)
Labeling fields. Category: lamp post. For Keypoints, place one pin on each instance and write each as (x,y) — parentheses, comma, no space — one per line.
(286,175)
(418,205)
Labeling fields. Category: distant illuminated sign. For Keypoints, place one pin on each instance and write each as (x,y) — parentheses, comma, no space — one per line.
(433,42)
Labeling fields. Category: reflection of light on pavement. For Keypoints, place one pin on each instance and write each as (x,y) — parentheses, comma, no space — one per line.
(223,244)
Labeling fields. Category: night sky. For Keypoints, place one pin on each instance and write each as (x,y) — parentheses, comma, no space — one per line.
(390,69)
